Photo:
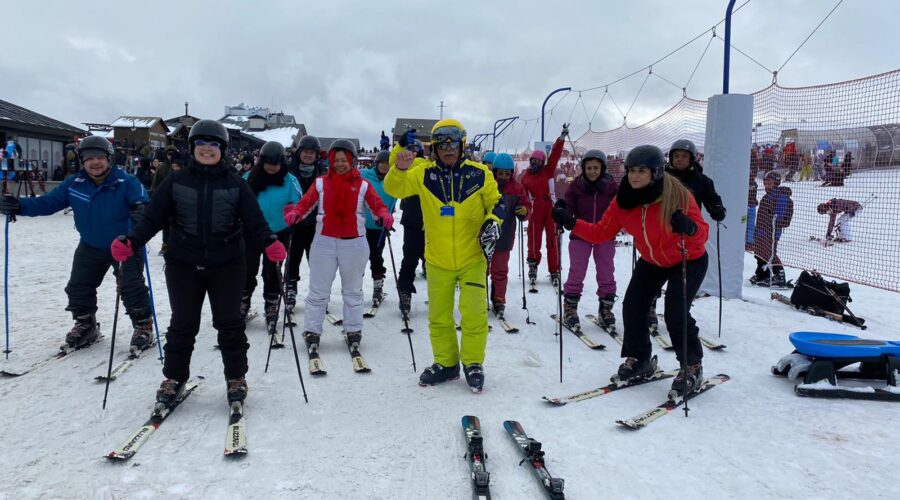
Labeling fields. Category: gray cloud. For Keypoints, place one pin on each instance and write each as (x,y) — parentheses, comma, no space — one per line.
(349,68)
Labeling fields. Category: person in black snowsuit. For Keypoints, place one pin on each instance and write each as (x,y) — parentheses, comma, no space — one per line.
(683,165)
(306,164)
(209,208)
(413,235)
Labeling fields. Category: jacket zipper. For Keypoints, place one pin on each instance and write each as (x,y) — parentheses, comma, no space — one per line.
(205,203)
(646,238)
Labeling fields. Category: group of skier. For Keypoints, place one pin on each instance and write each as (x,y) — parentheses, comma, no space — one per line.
(459,215)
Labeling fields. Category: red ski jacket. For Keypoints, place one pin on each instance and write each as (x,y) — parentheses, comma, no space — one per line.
(340,200)
(537,184)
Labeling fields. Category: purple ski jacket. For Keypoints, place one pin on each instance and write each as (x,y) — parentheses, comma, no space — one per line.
(588,201)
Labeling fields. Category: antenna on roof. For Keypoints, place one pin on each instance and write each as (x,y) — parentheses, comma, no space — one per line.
(185,108)
(442,109)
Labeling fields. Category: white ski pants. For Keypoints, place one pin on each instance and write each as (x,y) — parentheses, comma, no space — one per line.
(327,256)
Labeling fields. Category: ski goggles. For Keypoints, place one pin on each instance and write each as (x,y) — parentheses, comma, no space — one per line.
(448,134)
(202,142)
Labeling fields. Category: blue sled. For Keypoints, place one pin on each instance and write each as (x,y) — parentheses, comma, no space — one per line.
(821,357)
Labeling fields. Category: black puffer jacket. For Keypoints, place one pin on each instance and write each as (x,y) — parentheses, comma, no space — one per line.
(209,208)
(701,186)
(412,213)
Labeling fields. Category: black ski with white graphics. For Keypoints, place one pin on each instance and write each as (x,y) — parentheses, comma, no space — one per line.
(644,419)
(372,311)
(316,367)
(64,351)
(508,328)
(710,344)
(133,356)
(663,342)
(534,455)
(611,331)
(612,387)
(359,363)
(236,435)
(581,336)
(160,413)
(481,478)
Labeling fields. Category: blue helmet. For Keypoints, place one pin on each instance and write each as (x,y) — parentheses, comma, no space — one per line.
(489,157)
(503,161)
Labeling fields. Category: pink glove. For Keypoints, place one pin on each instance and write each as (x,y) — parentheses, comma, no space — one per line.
(121,249)
(276,252)
(386,221)
(291,216)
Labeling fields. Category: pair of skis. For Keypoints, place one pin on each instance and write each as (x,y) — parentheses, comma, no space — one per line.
(133,356)
(666,344)
(530,449)
(645,418)
(235,436)
(317,367)
(589,342)
(64,351)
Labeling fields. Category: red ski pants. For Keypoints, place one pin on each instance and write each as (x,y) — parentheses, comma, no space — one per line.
(499,276)
(541,221)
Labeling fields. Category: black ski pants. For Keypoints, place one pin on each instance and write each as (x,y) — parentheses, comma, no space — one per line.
(271,284)
(413,252)
(646,282)
(188,287)
(89,267)
(301,241)
(376,238)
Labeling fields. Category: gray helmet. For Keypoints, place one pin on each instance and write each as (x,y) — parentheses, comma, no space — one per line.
(208,129)
(382,156)
(309,142)
(93,147)
(684,145)
(646,156)
(594,154)
(345,145)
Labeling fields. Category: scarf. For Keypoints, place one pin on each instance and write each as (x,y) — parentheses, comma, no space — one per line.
(628,197)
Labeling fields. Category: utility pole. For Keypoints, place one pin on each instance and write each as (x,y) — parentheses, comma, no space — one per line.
(185,108)
(442,109)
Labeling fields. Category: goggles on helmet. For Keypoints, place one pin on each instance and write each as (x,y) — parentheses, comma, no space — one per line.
(448,134)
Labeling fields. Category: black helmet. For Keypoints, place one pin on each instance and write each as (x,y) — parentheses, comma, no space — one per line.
(208,129)
(382,156)
(272,153)
(93,147)
(646,156)
(345,145)
(309,142)
(775,176)
(594,154)
(684,145)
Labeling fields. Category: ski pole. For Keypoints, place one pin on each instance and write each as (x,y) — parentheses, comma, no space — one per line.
(559,313)
(684,317)
(112,341)
(9,218)
(283,280)
(406,329)
(278,307)
(152,306)
(719,263)
(522,272)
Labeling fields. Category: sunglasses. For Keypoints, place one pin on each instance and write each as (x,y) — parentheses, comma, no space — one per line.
(201,142)
(446,146)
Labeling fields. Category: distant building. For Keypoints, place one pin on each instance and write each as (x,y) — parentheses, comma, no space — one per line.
(136,131)
(259,125)
(41,138)
(423,128)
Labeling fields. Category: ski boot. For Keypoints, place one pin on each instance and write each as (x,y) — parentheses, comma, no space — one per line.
(290,294)
(554,279)
(142,338)
(570,312)
(378,292)
(532,274)
(169,392)
(498,308)
(405,304)
(779,280)
(237,389)
(474,376)
(271,310)
(652,319)
(353,339)
(84,333)
(605,314)
(687,381)
(311,339)
(635,369)
(245,305)
(437,373)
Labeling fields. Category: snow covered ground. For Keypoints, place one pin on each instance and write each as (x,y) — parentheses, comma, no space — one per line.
(379,435)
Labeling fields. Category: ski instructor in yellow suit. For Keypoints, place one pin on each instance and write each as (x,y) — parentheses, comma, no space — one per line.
(461,209)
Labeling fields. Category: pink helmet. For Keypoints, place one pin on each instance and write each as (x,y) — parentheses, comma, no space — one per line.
(538,154)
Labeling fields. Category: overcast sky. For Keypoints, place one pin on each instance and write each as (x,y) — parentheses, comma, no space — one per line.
(350,68)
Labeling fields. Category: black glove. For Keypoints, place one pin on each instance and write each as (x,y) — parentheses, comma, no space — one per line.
(560,204)
(408,137)
(562,216)
(9,205)
(717,213)
(682,224)
(488,236)
(565,131)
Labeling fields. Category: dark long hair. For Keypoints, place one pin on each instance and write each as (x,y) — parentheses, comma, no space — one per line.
(260,180)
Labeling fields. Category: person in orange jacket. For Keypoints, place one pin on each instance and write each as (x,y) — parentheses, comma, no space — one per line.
(662,215)
(538,183)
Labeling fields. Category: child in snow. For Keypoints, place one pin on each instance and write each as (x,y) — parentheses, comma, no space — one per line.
(517,208)
(776,209)
(275,188)
(209,209)
(538,182)
(847,210)
(587,199)
(661,213)
(337,199)
(375,233)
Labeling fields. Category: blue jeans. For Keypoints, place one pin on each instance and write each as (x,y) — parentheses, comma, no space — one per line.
(751,224)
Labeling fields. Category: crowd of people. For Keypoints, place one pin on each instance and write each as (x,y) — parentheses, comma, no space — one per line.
(224,215)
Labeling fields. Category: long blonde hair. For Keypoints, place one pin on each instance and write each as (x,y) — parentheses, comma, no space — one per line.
(675,196)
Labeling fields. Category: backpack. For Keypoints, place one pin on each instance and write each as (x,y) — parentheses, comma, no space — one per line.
(811,290)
